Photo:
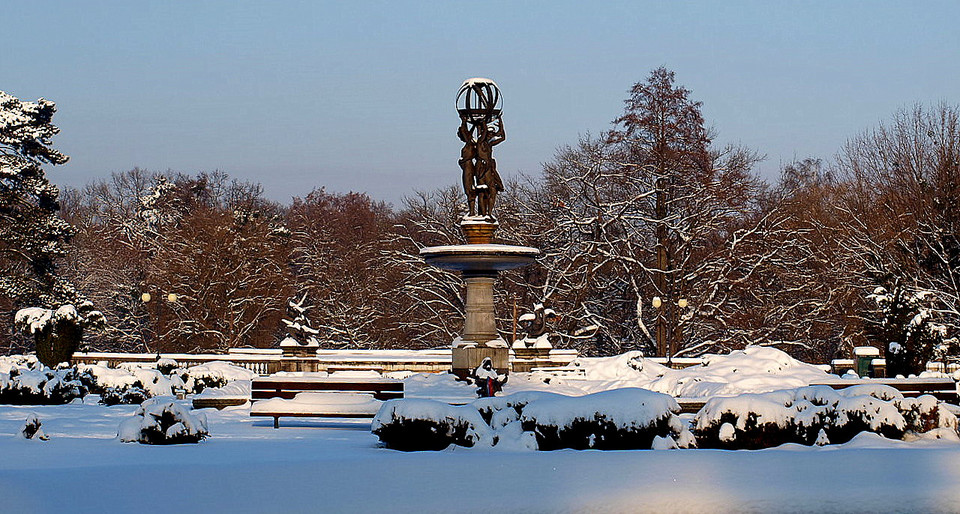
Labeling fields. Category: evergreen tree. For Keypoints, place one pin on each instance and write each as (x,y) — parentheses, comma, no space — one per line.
(32,234)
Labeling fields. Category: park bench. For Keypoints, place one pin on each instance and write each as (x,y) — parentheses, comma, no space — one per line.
(218,402)
(276,397)
(562,372)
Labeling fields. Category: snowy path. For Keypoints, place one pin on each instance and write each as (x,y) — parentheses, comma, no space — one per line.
(249,467)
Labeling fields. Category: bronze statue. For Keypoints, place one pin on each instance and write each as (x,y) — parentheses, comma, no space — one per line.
(481,128)
(467,155)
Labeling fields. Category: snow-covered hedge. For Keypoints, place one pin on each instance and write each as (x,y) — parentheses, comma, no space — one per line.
(619,419)
(815,415)
(125,396)
(40,386)
(214,374)
(415,424)
(755,369)
(163,422)
(129,382)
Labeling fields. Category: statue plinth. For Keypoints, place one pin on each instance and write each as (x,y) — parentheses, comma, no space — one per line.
(478,230)
(479,261)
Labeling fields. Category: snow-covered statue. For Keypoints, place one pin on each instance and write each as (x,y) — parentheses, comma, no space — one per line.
(488,382)
(299,331)
(536,326)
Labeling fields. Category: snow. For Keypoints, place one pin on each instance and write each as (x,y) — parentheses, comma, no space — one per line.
(340,403)
(472,249)
(235,389)
(247,466)
(35,318)
(475,81)
(754,369)
(228,371)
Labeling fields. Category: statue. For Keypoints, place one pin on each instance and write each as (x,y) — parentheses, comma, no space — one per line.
(299,329)
(537,327)
(487,380)
(467,157)
(481,128)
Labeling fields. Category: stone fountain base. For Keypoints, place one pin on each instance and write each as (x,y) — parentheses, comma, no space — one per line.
(479,261)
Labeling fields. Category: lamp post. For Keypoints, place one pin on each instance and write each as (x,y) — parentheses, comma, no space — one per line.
(171,298)
(663,339)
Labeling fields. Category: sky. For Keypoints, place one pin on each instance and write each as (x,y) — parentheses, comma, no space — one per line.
(359,96)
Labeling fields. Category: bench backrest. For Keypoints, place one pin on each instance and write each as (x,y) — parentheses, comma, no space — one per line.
(288,387)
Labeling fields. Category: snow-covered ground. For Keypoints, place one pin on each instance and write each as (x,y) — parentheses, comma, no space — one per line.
(337,466)
(314,465)
(753,370)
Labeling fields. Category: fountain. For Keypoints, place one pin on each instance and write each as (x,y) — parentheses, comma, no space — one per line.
(480,259)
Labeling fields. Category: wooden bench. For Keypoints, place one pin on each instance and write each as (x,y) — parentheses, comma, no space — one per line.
(288,388)
(338,368)
(944,389)
(562,372)
(691,405)
(217,402)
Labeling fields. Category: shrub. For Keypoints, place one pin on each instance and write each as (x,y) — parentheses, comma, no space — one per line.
(815,415)
(414,425)
(123,396)
(42,386)
(619,419)
(163,422)
(31,429)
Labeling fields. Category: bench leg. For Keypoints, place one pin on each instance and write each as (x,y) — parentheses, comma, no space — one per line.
(276,422)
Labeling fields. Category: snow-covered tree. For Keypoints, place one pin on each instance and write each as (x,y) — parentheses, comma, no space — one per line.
(648,210)
(907,327)
(428,301)
(900,200)
(33,237)
(336,242)
(32,234)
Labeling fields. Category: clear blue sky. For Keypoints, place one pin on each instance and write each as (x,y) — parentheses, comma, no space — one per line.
(360,97)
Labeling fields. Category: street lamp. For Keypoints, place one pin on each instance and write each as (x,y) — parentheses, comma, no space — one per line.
(659,303)
(172,298)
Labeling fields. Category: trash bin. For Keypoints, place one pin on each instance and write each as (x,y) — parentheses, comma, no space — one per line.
(841,366)
(878,368)
(863,355)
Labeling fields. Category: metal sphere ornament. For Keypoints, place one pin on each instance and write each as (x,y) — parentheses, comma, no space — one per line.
(479,100)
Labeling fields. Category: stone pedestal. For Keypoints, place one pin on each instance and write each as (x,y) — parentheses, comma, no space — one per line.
(467,358)
(525,359)
(480,324)
(299,358)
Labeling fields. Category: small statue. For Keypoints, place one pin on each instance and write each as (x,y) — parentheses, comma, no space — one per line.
(536,326)
(488,382)
(299,328)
